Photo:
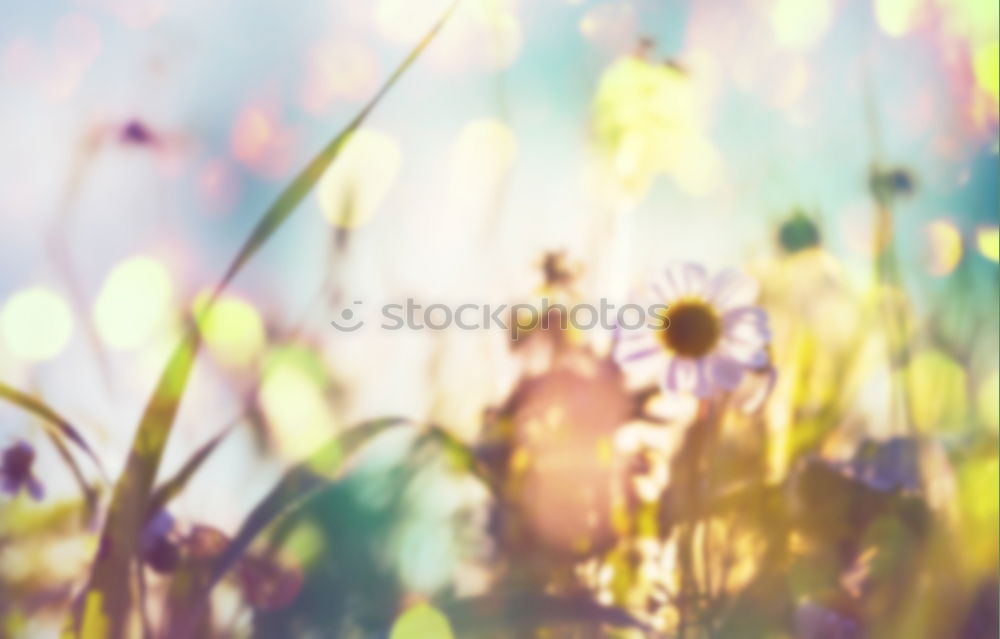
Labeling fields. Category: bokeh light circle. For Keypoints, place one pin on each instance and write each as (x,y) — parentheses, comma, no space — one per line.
(36,324)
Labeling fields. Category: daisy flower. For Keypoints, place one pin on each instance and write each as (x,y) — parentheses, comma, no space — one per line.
(709,335)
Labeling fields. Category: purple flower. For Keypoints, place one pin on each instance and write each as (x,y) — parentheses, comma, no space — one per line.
(155,544)
(135,132)
(892,465)
(15,471)
(709,336)
(813,621)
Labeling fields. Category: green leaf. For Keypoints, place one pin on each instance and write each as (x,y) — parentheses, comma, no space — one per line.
(297,487)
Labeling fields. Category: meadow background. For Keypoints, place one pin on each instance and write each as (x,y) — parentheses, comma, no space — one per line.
(843,153)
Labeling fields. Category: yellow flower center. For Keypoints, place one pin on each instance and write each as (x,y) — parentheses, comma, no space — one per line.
(690,329)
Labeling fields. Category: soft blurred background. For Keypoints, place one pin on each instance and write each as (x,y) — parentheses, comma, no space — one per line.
(842,152)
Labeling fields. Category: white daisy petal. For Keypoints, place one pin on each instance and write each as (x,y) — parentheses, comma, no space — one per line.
(744,315)
(660,291)
(687,376)
(703,383)
(725,372)
(672,406)
(746,324)
(636,345)
(685,279)
(681,374)
(731,289)
(748,333)
(750,354)
(642,371)
(754,399)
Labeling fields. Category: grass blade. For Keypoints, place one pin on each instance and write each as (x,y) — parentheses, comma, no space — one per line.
(307,178)
(173,486)
(89,492)
(105,606)
(106,601)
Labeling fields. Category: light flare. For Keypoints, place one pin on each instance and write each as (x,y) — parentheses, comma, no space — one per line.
(988,242)
(354,187)
(801,24)
(36,324)
(292,398)
(421,621)
(943,246)
(133,302)
(233,331)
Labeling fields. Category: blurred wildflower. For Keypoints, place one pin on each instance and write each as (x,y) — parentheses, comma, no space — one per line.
(871,500)
(888,183)
(798,233)
(709,335)
(813,621)
(261,141)
(812,305)
(136,133)
(982,620)
(558,272)
(269,584)
(543,332)
(15,471)
(219,184)
(205,542)
(648,120)
(157,548)
(888,466)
